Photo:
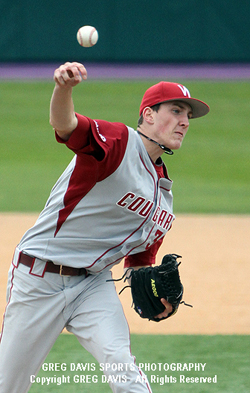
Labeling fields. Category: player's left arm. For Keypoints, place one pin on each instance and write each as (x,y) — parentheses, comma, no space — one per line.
(144,258)
(148,259)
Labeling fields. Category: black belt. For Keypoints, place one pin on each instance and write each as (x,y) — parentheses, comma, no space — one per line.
(50,267)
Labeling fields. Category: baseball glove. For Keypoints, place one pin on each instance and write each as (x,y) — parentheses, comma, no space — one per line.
(149,285)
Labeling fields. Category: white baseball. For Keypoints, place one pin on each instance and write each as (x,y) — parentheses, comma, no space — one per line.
(87,36)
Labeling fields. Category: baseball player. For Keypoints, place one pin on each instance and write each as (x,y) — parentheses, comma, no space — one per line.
(112,202)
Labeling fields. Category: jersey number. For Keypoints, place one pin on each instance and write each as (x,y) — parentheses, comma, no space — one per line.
(158,235)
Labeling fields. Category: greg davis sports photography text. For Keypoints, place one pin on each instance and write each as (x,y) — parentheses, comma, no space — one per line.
(93,373)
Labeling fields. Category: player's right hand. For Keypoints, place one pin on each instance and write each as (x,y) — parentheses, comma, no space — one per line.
(70,74)
(168,309)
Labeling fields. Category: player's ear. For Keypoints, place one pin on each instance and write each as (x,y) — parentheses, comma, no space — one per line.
(148,115)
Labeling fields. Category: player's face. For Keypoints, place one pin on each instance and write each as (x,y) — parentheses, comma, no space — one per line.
(171,123)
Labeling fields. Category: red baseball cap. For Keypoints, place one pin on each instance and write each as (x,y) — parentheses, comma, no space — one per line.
(170,91)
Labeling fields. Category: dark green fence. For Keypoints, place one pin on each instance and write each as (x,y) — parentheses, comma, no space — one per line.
(130,30)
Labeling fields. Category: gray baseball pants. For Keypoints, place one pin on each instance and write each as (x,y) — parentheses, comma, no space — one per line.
(38,309)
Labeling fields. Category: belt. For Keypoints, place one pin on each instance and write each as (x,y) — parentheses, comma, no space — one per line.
(50,267)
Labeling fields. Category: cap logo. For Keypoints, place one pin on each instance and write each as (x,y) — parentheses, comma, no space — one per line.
(185,91)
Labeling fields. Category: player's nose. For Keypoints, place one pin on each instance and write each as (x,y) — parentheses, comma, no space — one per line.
(184,121)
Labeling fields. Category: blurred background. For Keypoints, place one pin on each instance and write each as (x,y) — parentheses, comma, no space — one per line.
(177,31)
(204,45)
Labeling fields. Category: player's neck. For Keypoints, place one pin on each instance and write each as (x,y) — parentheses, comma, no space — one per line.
(154,151)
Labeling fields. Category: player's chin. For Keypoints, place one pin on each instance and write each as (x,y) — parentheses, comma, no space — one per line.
(175,142)
(176,145)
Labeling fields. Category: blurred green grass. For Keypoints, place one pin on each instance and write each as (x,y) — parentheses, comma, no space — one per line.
(227,357)
(211,172)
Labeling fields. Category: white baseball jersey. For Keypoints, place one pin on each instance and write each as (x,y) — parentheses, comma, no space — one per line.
(111,202)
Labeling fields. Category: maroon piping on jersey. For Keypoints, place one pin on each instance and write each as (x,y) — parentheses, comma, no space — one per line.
(90,169)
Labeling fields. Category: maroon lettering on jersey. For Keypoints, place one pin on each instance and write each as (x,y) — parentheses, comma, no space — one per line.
(143,207)
(162,217)
(146,209)
(122,202)
(168,222)
(135,205)
(155,216)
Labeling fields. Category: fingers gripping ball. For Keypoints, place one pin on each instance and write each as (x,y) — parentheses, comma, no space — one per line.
(149,285)
(87,36)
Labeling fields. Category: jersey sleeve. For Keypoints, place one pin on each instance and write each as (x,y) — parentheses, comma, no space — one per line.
(145,258)
(82,140)
(80,136)
(104,141)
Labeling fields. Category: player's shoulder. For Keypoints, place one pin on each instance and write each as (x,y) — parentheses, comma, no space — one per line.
(112,135)
(110,128)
